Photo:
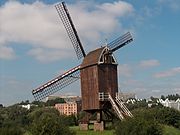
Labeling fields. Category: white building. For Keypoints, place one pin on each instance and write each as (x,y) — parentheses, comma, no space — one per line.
(170,103)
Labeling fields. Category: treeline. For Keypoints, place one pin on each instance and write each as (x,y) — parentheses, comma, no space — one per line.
(41,118)
(41,103)
(149,121)
(170,97)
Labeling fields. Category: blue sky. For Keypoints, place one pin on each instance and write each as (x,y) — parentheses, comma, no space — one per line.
(35,48)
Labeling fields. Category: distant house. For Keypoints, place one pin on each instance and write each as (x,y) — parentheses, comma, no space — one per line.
(28,106)
(170,103)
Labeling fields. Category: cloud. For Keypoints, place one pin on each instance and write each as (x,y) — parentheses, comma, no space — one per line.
(6,53)
(172,4)
(168,73)
(48,55)
(119,8)
(125,70)
(147,88)
(37,24)
(14,90)
(149,63)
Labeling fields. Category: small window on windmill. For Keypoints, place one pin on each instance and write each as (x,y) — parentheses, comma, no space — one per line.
(113,60)
(107,58)
(101,59)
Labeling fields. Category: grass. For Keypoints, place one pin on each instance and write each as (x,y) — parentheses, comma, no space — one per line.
(91,131)
(169,130)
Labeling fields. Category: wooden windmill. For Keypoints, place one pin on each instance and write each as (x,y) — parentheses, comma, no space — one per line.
(98,74)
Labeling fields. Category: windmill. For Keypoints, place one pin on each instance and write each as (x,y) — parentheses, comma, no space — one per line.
(97,72)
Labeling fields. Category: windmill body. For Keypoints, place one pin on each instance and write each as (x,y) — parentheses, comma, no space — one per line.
(98,74)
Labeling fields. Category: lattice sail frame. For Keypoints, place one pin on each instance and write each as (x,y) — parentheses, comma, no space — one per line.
(120,42)
(70,28)
(57,83)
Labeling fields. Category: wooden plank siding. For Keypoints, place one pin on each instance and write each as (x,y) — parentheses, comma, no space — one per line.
(95,79)
(89,88)
(108,81)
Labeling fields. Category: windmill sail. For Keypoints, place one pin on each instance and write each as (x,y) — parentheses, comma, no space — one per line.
(57,83)
(120,42)
(71,31)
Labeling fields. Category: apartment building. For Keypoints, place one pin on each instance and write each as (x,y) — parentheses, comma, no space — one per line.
(69,108)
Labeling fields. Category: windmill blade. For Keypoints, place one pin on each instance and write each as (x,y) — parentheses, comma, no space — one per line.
(120,42)
(70,28)
(57,83)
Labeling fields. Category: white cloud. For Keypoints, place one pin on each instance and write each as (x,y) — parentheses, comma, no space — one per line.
(172,4)
(6,53)
(124,70)
(168,73)
(47,55)
(149,63)
(38,25)
(119,8)
(14,90)
(147,88)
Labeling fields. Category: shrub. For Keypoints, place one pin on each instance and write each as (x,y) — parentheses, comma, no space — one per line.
(47,122)
(138,126)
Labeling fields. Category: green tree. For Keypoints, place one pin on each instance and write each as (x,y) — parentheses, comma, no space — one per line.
(138,126)
(168,116)
(173,97)
(70,120)
(47,121)
(163,97)
(11,130)
(1,121)
(54,101)
(38,103)
(162,115)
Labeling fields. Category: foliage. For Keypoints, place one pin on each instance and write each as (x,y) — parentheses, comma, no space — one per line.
(153,99)
(138,126)
(38,103)
(1,121)
(91,132)
(168,116)
(163,97)
(163,115)
(69,120)
(14,113)
(46,121)
(54,101)
(11,130)
(171,97)
(169,130)
(24,102)
(13,120)
(17,120)
(147,120)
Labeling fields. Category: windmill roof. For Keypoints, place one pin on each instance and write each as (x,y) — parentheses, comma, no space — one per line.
(92,58)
